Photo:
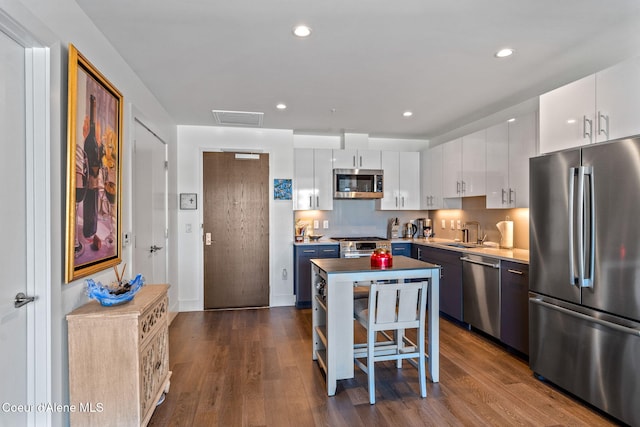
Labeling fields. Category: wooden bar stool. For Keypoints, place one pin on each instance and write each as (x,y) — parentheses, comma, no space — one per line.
(393,307)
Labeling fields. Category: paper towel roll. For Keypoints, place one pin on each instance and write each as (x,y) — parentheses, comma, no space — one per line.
(506,232)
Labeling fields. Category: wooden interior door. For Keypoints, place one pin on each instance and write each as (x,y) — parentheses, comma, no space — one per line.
(236,230)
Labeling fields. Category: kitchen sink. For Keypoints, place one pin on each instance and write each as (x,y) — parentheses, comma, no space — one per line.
(461,245)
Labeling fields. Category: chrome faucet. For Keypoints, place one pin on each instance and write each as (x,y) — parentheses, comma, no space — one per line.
(465,232)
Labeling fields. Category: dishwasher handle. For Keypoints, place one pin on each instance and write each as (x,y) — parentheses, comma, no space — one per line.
(486,264)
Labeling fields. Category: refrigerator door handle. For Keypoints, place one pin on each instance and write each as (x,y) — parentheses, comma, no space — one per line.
(611,325)
(580,226)
(572,267)
(587,281)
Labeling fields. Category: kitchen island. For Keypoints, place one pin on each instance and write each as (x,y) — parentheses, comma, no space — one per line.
(333,283)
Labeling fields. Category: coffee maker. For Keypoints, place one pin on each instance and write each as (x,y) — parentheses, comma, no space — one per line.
(424,227)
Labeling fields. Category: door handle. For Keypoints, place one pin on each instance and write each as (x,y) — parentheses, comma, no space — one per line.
(154,248)
(22,299)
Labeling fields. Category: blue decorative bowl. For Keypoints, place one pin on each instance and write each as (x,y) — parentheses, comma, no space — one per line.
(106,298)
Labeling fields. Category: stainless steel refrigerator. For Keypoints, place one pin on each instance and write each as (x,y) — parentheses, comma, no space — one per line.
(584,305)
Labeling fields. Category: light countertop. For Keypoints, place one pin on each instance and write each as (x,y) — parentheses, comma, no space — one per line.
(515,255)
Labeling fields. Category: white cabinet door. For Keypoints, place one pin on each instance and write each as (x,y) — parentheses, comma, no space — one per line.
(369,159)
(323,178)
(618,103)
(497,165)
(345,159)
(409,170)
(509,147)
(431,162)
(303,179)
(522,146)
(391,168)
(474,164)
(435,166)
(452,168)
(356,159)
(567,116)
(312,179)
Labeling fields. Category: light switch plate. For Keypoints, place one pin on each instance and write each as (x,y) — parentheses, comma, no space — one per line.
(325,224)
(316,224)
(444,224)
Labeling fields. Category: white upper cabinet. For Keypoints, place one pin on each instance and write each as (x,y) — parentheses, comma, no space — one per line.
(599,107)
(509,147)
(566,115)
(432,178)
(401,181)
(464,166)
(452,168)
(474,165)
(356,159)
(618,101)
(313,179)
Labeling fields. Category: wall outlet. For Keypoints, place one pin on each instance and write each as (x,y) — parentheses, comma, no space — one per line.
(453,224)
(187,228)
(459,225)
(444,224)
(316,224)
(325,224)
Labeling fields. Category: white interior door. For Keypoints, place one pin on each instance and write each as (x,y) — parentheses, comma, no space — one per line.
(13,233)
(150,206)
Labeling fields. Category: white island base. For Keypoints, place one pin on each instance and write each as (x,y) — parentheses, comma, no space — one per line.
(333,281)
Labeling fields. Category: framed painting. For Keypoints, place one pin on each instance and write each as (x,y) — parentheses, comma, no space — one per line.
(94,170)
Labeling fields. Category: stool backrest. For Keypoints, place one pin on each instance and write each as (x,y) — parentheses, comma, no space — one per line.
(397,306)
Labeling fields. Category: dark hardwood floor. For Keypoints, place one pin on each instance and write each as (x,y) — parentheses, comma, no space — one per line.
(254,368)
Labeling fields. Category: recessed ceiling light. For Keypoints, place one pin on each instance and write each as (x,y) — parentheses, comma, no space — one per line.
(281,106)
(571,121)
(511,120)
(302,31)
(503,53)
(407,114)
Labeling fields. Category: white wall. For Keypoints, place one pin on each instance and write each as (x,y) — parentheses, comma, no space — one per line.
(192,142)
(56,24)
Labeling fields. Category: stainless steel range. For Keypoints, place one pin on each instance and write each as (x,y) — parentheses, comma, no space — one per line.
(357,247)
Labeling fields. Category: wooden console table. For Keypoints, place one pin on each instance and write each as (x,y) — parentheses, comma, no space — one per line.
(119,359)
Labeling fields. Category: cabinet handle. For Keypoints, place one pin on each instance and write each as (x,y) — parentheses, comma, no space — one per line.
(317,201)
(511,199)
(441,269)
(360,161)
(600,128)
(457,187)
(419,253)
(503,194)
(403,201)
(584,128)
(308,251)
(515,272)
(464,187)
(310,202)
(354,161)
(396,201)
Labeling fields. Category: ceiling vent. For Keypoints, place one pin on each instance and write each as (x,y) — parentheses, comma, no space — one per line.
(237,118)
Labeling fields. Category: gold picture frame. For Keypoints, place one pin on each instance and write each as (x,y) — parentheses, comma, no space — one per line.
(94,170)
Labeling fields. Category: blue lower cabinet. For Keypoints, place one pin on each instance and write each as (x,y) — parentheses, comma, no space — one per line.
(401,249)
(303,254)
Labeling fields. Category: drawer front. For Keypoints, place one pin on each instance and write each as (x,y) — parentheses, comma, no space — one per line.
(152,319)
(154,366)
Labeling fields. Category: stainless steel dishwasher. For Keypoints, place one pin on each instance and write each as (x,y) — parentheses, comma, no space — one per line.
(481,293)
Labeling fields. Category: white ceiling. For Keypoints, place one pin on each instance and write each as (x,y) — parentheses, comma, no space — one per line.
(366,61)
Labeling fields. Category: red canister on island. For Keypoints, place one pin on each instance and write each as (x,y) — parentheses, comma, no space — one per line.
(381,258)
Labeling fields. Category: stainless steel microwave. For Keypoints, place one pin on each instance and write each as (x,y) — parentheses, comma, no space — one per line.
(357,184)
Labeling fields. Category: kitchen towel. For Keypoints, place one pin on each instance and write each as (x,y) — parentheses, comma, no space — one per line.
(506,232)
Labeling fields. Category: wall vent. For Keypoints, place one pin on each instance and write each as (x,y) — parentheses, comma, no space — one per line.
(237,118)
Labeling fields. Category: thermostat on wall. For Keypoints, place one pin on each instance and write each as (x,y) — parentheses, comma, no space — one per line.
(188,201)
